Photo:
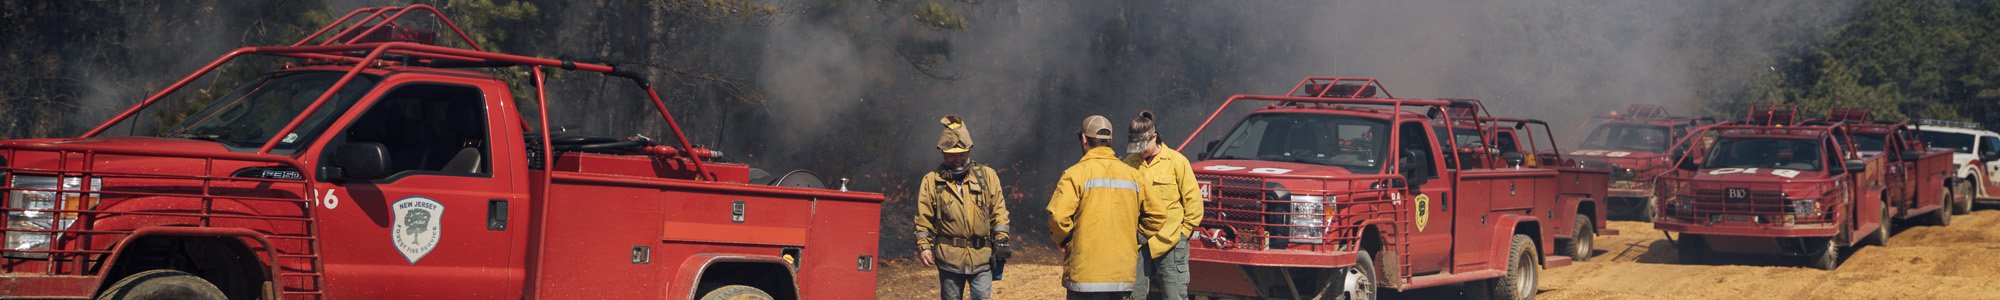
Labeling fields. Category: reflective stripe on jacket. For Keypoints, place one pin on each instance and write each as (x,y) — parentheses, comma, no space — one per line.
(1099,212)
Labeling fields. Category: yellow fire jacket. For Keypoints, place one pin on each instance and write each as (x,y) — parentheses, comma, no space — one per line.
(1170,178)
(973,209)
(1100,212)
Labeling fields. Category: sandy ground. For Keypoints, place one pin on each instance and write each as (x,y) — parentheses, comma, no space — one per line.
(1961,261)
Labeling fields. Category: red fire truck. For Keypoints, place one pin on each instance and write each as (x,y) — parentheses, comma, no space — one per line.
(1337,189)
(376,165)
(1634,146)
(1917,181)
(1770,185)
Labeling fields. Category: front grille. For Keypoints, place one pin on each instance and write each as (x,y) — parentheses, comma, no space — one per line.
(1708,201)
(1262,215)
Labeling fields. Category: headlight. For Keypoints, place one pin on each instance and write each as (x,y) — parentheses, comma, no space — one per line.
(29,214)
(1310,217)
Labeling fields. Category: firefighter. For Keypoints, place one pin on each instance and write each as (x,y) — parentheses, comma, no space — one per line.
(1098,216)
(1169,178)
(961,217)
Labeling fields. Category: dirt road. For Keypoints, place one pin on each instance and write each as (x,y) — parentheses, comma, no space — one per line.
(1961,261)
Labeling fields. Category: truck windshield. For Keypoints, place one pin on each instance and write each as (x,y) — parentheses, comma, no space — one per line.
(244,119)
(1777,153)
(1956,141)
(1351,142)
(1633,137)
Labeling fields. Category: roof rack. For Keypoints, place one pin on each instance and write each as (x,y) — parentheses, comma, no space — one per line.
(368,49)
(1773,114)
(1340,87)
(1644,110)
(1850,114)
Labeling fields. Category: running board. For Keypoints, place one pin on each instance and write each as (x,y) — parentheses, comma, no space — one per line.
(1552,261)
(1450,278)
(1607,231)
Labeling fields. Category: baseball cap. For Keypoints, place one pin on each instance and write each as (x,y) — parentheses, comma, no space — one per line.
(1096,127)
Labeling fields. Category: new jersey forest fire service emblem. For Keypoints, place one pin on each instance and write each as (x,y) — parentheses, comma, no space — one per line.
(416,228)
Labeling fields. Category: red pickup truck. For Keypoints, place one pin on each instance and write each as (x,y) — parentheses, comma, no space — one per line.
(1336,189)
(376,165)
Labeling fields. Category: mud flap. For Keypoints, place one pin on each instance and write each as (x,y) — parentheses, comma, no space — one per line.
(1389,269)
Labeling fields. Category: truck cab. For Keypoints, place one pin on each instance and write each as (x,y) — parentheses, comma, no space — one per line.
(1917,179)
(1975,161)
(1770,185)
(1338,182)
(1634,146)
(379,165)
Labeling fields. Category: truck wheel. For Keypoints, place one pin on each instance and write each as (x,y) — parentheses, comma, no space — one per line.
(1942,217)
(1523,266)
(1361,281)
(1692,250)
(1652,209)
(1582,238)
(736,292)
(1828,257)
(162,284)
(1961,197)
(1881,234)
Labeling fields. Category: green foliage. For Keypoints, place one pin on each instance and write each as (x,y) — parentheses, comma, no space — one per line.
(1903,59)
(936,15)
(482,21)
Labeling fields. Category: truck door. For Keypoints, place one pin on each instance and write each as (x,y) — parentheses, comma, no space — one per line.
(425,220)
(1430,192)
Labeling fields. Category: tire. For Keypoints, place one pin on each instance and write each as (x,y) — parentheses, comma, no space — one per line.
(1942,217)
(1583,237)
(1652,212)
(162,284)
(1962,197)
(1523,266)
(1881,233)
(736,292)
(1367,282)
(1692,250)
(1828,257)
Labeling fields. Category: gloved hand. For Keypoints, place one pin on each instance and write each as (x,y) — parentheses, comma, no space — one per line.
(1001,252)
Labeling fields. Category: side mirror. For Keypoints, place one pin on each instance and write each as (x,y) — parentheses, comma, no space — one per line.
(1514,159)
(1687,164)
(1856,165)
(1989,155)
(1210,149)
(1413,168)
(363,160)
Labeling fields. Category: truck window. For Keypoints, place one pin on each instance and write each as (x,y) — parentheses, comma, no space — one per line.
(1634,137)
(1988,144)
(428,127)
(1416,148)
(1778,153)
(1343,141)
(1505,140)
(1869,142)
(246,118)
(1956,141)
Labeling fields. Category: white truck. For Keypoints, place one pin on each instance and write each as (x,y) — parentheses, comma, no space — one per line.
(1977,160)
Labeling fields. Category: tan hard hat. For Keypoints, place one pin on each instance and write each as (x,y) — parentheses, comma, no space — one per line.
(1096,127)
(955,139)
